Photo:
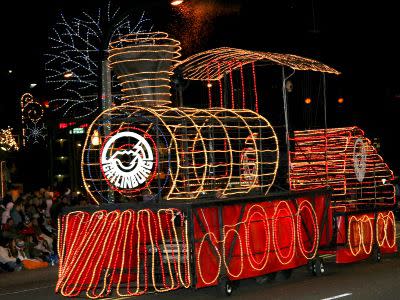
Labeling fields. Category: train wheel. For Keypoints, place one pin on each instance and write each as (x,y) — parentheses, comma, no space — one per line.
(310,267)
(287,273)
(225,287)
(319,267)
(266,278)
(272,276)
(261,279)
(376,254)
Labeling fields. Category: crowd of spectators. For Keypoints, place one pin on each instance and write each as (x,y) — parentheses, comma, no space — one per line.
(28,234)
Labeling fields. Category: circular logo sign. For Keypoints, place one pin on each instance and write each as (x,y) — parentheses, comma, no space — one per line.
(359,157)
(127,160)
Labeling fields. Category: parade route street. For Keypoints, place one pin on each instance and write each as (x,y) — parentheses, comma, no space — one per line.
(363,280)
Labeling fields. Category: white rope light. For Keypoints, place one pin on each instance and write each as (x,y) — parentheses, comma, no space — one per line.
(216,63)
(172,153)
(143,62)
(199,151)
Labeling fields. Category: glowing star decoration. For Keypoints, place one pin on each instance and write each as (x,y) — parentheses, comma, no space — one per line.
(35,133)
(359,157)
(7,140)
(127,160)
(78,50)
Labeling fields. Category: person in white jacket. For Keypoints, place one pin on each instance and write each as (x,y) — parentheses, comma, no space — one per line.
(7,261)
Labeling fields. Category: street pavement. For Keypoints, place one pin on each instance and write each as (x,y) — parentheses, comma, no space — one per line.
(363,280)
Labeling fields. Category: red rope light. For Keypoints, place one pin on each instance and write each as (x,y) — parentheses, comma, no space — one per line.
(243,91)
(275,250)
(231,83)
(94,258)
(332,157)
(221,95)
(209,88)
(253,67)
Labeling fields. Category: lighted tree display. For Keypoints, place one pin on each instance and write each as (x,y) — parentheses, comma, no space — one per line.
(7,140)
(78,48)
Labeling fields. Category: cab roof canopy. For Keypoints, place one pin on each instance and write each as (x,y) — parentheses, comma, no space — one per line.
(215,63)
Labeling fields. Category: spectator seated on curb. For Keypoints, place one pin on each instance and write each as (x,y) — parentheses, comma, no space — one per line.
(23,253)
(8,262)
(28,233)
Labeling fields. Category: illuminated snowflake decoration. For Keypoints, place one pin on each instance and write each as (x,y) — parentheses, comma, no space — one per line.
(74,61)
(36,133)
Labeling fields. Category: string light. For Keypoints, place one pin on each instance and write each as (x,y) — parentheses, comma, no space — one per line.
(232,88)
(194,161)
(256,214)
(284,259)
(73,62)
(33,128)
(7,140)
(253,69)
(2,178)
(329,157)
(221,61)
(209,90)
(96,249)
(386,218)
(221,93)
(258,265)
(135,58)
(312,252)
(36,133)
(242,85)
(198,161)
(357,235)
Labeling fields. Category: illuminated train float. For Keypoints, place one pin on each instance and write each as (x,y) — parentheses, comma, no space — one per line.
(184,194)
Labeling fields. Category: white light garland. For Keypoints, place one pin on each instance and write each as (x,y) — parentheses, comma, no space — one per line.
(76,43)
(35,133)
(32,112)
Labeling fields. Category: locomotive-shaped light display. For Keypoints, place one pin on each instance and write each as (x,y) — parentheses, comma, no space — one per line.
(151,149)
(340,197)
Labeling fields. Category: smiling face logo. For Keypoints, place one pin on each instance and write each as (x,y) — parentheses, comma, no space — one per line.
(359,157)
(127,160)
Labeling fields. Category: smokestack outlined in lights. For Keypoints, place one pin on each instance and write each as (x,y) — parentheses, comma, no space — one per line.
(143,63)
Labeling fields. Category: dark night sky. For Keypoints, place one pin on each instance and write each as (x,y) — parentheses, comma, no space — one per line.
(360,41)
